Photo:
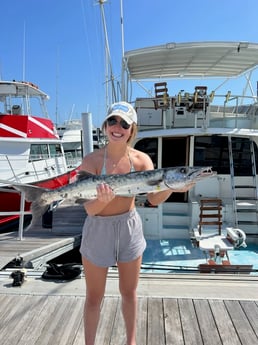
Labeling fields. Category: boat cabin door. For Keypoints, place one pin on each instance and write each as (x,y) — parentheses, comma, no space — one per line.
(175,152)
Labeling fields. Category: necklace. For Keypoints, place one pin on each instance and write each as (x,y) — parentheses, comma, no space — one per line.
(115,164)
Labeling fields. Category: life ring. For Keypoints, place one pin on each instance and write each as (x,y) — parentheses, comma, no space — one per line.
(241,238)
(237,237)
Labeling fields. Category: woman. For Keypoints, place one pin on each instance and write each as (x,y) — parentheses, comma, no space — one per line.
(112,232)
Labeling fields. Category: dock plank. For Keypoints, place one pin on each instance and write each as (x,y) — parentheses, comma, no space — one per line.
(224,323)
(190,326)
(73,322)
(142,321)
(52,329)
(155,322)
(172,319)
(251,310)
(22,321)
(206,322)
(109,310)
(241,323)
(118,337)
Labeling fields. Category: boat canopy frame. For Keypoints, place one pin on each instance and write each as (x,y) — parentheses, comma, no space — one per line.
(225,59)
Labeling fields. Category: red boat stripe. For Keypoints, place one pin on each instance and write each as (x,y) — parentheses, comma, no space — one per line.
(13,130)
(40,124)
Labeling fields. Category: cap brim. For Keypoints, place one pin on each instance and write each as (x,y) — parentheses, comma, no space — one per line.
(123,116)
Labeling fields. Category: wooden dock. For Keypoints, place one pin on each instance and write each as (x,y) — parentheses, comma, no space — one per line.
(48,319)
(39,244)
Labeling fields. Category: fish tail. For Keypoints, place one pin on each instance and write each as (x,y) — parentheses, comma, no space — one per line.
(33,194)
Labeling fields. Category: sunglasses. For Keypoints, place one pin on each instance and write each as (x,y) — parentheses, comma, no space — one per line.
(112,121)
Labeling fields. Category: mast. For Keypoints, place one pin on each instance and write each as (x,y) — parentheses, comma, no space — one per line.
(123,92)
(109,77)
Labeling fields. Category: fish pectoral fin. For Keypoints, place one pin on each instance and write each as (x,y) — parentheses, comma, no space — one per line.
(81,201)
(84,175)
(154,182)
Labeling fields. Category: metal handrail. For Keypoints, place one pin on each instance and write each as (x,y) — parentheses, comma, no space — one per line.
(21,212)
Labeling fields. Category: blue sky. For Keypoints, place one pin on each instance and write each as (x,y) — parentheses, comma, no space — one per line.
(59,44)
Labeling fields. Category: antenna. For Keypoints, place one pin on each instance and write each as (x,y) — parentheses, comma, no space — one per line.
(122,28)
(24,54)
(57,85)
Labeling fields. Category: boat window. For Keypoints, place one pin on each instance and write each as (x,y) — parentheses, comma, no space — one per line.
(214,151)
(149,146)
(55,150)
(38,152)
(242,156)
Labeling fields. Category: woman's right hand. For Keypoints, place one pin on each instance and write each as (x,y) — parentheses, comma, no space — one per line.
(105,193)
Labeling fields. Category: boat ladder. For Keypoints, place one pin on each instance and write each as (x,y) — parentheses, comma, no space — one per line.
(245,203)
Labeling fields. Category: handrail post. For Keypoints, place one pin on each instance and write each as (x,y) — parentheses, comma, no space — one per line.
(21,218)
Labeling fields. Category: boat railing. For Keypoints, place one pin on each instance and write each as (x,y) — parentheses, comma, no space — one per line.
(186,110)
(21,212)
(72,159)
(37,165)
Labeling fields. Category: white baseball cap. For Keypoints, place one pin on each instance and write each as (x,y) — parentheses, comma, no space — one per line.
(123,109)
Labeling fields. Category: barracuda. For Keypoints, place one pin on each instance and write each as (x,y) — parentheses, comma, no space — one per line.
(128,185)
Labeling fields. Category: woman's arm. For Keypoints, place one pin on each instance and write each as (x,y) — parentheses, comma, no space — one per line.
(159,197)
(156,198)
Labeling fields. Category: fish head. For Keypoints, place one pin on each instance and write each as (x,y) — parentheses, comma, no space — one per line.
(177,177)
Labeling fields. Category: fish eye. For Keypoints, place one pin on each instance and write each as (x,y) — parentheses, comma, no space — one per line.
(183,170)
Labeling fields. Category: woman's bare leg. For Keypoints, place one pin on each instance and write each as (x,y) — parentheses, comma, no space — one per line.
(95,288)
(128,281)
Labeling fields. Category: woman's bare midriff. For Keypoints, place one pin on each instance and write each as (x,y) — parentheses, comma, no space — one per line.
(118,205)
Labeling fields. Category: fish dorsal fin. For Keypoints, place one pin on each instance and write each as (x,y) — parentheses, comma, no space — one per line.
(82,175)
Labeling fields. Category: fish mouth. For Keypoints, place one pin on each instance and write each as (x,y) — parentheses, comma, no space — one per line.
(203,172)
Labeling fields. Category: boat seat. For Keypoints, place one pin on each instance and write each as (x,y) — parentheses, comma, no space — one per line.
(161,96)
(210,214)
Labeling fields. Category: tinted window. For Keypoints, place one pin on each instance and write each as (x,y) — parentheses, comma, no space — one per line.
(149,146)
(214,151)
(38,152)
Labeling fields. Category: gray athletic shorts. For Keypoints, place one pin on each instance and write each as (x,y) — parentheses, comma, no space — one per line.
(112,239)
